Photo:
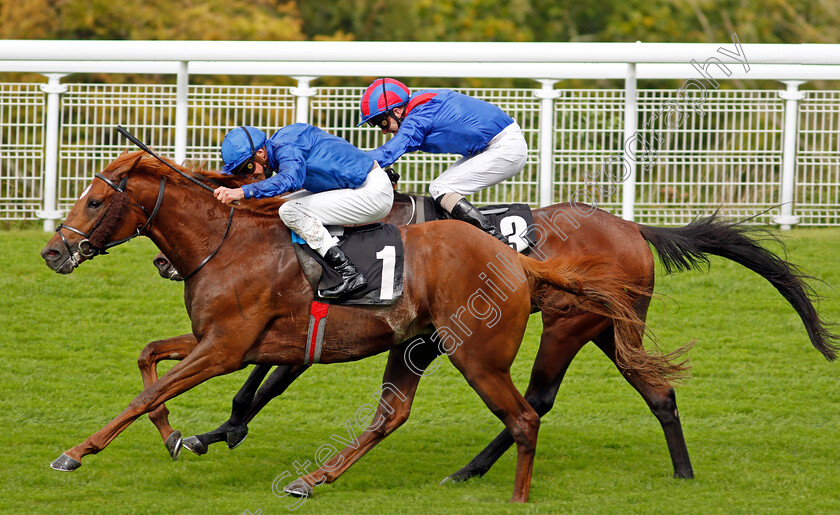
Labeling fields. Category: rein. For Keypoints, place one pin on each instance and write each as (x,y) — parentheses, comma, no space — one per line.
(208,258)
(130,137)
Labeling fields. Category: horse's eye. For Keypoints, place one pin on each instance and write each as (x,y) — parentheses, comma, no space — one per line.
(93,203)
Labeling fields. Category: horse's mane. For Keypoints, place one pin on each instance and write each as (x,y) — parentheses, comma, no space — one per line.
(141,162)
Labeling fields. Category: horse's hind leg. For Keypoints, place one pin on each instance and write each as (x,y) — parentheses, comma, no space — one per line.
(399,384)
(491,380)
(555,354)
(171,348)
(663,405)
(247,402)
(560,342)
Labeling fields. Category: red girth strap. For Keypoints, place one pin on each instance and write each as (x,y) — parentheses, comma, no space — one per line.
(315,338)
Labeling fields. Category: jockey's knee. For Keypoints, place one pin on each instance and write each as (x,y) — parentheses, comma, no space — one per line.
(289,212)
(436,191)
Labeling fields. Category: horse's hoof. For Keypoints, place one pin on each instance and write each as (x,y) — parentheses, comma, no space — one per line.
(65,463)
(234,438)
(299,488)
(458,477)
(173,444)
(193,444)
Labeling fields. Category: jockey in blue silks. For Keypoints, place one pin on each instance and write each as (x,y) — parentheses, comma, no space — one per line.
(442,121)
(339,185)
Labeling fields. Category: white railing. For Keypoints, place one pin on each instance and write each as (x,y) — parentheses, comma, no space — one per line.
(747,151)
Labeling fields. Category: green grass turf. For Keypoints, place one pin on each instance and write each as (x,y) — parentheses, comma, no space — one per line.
(760,411)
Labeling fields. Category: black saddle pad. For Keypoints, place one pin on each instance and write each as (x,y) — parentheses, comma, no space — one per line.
(376,250)
(513,220)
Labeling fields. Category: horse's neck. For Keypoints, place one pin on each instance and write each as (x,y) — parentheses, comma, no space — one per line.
(191,224)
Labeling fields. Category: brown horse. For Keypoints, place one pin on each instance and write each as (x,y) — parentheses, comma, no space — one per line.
(256,311)
(562,229)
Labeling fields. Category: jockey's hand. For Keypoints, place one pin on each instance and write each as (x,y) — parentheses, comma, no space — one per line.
(228,195)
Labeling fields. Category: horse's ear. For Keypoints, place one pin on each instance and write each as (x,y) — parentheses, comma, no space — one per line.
(124,169)
(124,152)
(134,164)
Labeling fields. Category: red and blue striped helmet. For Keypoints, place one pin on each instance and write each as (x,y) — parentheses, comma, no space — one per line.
(381,96)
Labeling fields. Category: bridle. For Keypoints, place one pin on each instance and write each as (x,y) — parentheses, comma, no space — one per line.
(86,250)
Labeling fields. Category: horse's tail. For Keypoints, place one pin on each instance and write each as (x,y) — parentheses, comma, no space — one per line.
(594,286)
(683,248)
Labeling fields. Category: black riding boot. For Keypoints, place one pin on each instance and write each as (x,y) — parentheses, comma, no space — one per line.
(467,212)
(351,278)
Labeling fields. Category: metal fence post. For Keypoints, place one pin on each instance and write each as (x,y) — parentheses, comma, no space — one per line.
(792,97)
(628,193)
(53,88)
(181,112)
(546,94)
(303,92)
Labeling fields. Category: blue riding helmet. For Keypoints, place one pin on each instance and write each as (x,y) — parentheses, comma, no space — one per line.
(240,145)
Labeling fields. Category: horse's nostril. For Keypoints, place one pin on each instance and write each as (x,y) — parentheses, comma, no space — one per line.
(50,254)
(160,262)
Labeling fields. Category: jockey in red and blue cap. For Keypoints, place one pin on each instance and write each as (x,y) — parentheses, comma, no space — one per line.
(379,100)
(339,185)
(443,121)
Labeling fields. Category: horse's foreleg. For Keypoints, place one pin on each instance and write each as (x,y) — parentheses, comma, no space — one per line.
(196,368)
(246,407)
(399,384)
(170,348)
(199,443)
(276,384)
(247,402)
(561,340)
(663,405)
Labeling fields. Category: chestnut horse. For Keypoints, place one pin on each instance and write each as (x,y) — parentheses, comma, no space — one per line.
(256,311)
(562,229)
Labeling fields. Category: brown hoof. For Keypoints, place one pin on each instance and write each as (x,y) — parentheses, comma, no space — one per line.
(65,463)
(173,444)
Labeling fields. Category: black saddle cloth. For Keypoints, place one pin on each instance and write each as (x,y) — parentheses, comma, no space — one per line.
(376,250)
(513,220)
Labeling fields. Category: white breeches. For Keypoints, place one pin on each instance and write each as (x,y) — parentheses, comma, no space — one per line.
(504,157)
(307,213)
